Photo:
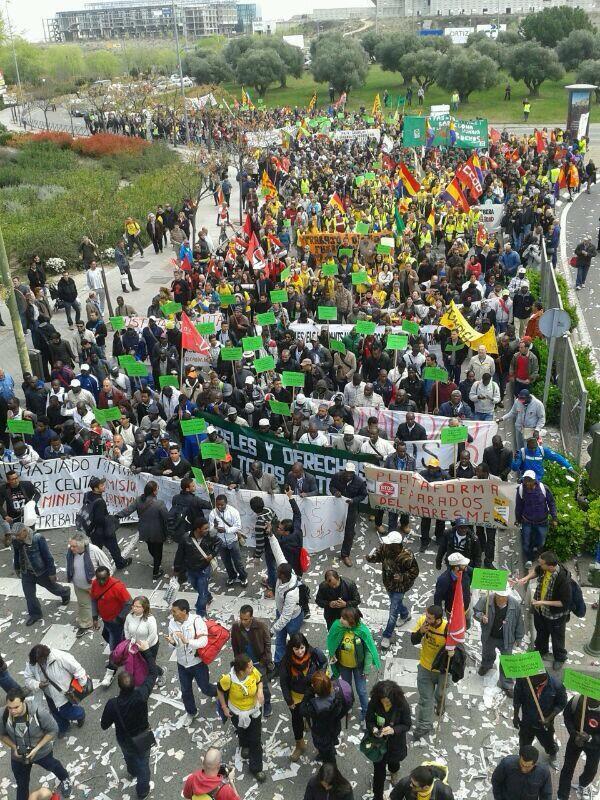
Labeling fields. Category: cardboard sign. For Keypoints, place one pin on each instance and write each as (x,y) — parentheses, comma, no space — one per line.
(366,327)
(118,323)
(277,407)
(268,318)
(455,435)
(396,341)
(490,580)
(435,374)
(135,369)
(19,426)
(359,278)
(199,476)
(171,308)
(107,414)
(252,342)
(362,228)
(346,251)
(292,379)
(410,327)
(581,683)
(285,274)
(231,353)
(278,296)
(328,270)
(522,665)
(327,312)
(168,380)
(383,249)
(124,360)
(206,328)
(192,427)
(228,299)
(337,346)
(213,450)
(264,364)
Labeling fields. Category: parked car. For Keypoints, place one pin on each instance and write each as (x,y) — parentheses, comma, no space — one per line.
(177,80)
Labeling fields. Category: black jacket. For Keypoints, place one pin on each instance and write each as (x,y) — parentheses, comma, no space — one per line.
(355,489)
(509,783)
(347,591)
(404,791)
(300,683)
(314,791)
(552,700)
(572,715)
(188,557)
(417,434)
(132,706)
(398,717)
(444,590)
(497,461)
(180,470)
(67,291)
(469,547)
(192,506)
(9,496)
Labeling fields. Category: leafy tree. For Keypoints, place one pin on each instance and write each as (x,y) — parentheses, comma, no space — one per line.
(390,51)
(486,46)
(370,40)
(509,38)
(440,43)
(589,72)
(292,57)
(340,61)
(458,72)
(421,66)
(551,25)
(259,69)
(533,64)
(101,65)
(30,58)
(238,47)
(208,68)
(579,46)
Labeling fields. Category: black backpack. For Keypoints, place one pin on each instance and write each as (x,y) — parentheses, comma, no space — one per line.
(578,606)
(84,519)
(303,594)
(177,522)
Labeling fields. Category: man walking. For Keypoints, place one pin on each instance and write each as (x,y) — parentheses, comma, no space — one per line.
(227,524)
(584,252)
(133,232)
(551,699)
(111,602)
(95,283)
(520,777)
(584,737)
(211,780)
(529,415)
(123,264)
(348,484)
(251,636)
(430,633)
(193,559)
(535,510)
(83,559)
(334,594)
(502,628)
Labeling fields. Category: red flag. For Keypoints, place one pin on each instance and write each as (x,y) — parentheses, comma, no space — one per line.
(190,338)
(185,264)
(495,136)
(247,226)
(274,240)
(410,183)
(467,175)
(388,162)
(457,624)
(253,245)
(540,143)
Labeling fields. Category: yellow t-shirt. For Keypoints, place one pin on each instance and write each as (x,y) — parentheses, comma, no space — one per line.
(544,586)
(347,651)
(425,794)
(432,641)
(238,698)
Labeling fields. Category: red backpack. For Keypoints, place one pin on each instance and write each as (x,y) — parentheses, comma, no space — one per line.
(218,636)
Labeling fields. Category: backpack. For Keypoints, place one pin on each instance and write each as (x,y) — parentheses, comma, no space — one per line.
(218,636)
(578,606)
(177,522)
(303,593)
(346,693)
(84,517)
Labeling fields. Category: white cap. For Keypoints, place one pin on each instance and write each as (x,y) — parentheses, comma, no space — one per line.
(529,473)
(393,537)
(263,421)
(505,593)
(350,466)
(458,560)
(85,367)
(75,383)
(211,429)
(348,429)
(249,379)
(300,398)
(308,346)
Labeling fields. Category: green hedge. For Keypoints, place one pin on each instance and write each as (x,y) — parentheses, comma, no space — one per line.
(51,197)
(578,528)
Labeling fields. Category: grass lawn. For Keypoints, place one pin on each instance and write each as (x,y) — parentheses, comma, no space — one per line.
(550,107)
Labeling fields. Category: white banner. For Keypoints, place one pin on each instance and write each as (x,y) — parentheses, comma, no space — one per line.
(264,138)
(491,216)
(142,322)
(63,484)
(388,421)
(356,135)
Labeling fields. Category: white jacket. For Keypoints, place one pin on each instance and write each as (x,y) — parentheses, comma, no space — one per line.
(230,520)
(491,393)
(195,631)
(287,595)
(140,629)
(60,668)
(94,279)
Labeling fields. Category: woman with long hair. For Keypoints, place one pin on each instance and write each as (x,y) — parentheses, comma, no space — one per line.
(328,784)
(388,719)
(324,707)
(299,663)
(153,523)
(141,629)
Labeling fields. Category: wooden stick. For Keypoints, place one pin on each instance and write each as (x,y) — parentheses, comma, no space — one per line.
(445,686)
(487,604)
(535,700)
(583,710)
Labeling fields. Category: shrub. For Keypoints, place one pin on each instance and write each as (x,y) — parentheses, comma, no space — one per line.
(568,306)
(570,537)
(57,138)
(108,144)
(9,176)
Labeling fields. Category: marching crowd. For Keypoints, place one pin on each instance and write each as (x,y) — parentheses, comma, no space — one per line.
(264,302)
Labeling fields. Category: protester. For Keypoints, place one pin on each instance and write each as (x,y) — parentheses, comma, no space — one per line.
(334,594)
(430,633)
(324,706)
(111,603)
(502,628)
(551,699)
(328,784)
(34,565)
(211,779)
(522,775)
(153,524)
(535,511)
(387,722)
(423,781)
(581,716)
(251,636)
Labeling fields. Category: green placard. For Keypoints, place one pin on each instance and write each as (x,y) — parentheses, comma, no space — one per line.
(383,249)
(455,435)
(263,364)
(491,580)
(124,360)
(435,374)
(252,342)
(278,296)
(228,299)
(268,318)
(364,326)
(581,683)
(136,370)
(107,414)
(19,426)
(292,378)
(363,228)
(327,270)
(327,312)
(370,120)
(277,407)
(522,665)
(370,176)
(118,323)
(359,180)
(171,308)
(232,353)
(192,427)
(213,450)
(396,341)
(453,348)
(336,345)
(199,476)
(410,327)
(168,380)
(287,223)
(346,251)
(358,278)
(285,274)
(206,328)
(376,165)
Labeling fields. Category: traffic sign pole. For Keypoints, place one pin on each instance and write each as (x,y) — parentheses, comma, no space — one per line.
(553,322)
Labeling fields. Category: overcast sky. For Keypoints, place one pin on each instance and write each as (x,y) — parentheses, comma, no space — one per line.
(27,15)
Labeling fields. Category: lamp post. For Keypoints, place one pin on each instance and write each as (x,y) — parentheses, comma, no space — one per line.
(185,114)
(11,302)
(18,74)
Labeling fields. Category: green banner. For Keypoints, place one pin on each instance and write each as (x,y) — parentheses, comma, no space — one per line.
(410,327)
(455,435)
(467,134)
(227,299)
(19,426)
(199,476)
(358,278)
(490,580)
(522,665)
(413,132)
(336,345)
(363,228)
(171,308)
(123,360)
(581,683)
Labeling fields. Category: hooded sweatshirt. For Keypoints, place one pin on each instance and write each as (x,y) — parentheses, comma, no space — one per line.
(200,783)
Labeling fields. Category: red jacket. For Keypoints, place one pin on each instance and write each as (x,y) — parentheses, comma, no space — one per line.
(118,398)
(108,600)
(199,783)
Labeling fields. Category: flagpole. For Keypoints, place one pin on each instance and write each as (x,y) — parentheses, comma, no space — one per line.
(535,700)
(445,686)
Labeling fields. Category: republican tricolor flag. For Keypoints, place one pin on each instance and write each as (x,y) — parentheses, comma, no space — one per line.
(455,195)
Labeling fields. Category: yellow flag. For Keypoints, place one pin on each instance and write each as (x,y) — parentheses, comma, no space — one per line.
(312,103)
(376,106)
(453,319)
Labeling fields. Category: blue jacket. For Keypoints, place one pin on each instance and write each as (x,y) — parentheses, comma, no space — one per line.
(510,262)
(444,589)
(534,460)
(448,410)
(90,572)
(38,553)
(552,700)
(89,383)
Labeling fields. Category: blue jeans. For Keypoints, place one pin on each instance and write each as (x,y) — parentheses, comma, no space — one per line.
(187,676)
(199,581)
(293,626)
(67,713)
(29,582)
(360,682)
(582,272)
(271,569)
(483,416)
(397,608)
(533,537)
(69,307)
(232,560)
(112,633)
(7,682)
(22,772)
(138,765)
